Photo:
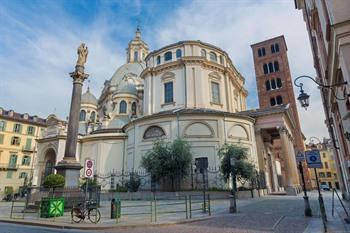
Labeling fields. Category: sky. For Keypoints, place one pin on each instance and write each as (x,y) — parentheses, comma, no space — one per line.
(38,42)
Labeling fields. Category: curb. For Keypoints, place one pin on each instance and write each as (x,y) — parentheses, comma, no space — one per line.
(95,227)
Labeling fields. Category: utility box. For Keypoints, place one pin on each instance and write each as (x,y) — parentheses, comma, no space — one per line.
(51,207)
(115,208)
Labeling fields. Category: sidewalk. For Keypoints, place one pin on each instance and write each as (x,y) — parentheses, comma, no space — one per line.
(279,214)
(132,220)
(336,223)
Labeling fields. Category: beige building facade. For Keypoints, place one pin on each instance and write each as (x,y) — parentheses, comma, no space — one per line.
(189,89)
(328,25)
(328,176)
(18,147)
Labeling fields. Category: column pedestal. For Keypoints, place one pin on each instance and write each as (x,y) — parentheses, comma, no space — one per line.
(291,190)
(70,169)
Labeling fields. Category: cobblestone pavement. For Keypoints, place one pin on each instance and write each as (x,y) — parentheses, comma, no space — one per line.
(269,214)
(284,214)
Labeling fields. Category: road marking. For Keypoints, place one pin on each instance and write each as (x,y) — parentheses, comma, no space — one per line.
(278,222)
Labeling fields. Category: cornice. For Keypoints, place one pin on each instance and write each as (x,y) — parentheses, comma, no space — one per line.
(172,114)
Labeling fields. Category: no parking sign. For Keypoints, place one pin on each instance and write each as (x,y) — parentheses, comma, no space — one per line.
(313,159)
(89,168)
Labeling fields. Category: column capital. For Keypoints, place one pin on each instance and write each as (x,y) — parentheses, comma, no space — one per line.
(78,75)
(282,129)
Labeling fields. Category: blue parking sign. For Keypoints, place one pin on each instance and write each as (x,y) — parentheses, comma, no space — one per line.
(313,159)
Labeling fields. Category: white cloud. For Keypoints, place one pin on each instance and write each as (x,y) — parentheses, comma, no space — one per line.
(39,56)
(37,52)
(234,26)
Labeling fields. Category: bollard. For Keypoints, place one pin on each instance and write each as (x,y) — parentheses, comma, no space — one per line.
(113,209)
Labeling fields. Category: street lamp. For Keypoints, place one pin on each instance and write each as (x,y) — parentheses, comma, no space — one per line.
(233,206)
(304,98)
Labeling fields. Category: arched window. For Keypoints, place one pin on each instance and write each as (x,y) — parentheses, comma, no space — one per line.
(279,83)
(49,168)
(272,101)
(266,70)
(93,116)
(213,57)
(122,107)
(82,116)
(168,56)
(133,109)
(136,56)
(272,48)
(277,48)
(279,100)
(261,52)
(273,84)
(178,53)
(276,66)
(153,132)
(158,60)
(268,86)
(203,53)
(271,67)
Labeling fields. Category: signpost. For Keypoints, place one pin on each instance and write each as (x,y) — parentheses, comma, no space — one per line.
(313,159)
(89,168)
(88,174)
(300,157)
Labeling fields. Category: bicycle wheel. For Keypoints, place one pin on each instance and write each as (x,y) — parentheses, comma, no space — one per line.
(94,215)
(76,215)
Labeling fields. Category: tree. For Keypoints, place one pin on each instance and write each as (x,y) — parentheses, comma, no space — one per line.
(168,160)
(54,181)
(243,169)
(133,183)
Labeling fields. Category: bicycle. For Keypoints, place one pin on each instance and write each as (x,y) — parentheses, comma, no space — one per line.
(88,210)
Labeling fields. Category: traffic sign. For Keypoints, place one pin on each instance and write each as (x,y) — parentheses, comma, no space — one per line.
(89,168)
(299,156)
(313,159)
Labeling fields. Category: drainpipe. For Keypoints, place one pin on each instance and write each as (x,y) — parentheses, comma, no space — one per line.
(225,127)
(185,77)
(123,161)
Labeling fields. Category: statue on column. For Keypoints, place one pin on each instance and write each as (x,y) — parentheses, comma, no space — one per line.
(82,54)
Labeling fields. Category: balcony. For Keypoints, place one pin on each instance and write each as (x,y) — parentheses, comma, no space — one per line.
(8,167)
(28,149)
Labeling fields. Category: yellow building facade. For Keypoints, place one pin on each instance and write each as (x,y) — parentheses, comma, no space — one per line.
(328,175)
(18,134)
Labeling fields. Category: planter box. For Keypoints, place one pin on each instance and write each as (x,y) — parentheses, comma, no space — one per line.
(51,207)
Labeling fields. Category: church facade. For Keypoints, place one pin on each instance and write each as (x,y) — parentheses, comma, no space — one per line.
(188,89)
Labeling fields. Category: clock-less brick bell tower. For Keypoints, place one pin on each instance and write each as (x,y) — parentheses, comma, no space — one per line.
(275,85)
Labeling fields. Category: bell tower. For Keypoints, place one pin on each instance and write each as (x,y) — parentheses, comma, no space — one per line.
(137,49)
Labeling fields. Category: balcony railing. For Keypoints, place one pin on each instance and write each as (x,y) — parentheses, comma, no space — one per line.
(7,166)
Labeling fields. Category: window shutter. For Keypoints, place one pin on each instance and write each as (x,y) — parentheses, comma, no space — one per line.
(1,138)
(20,128)
(28,143)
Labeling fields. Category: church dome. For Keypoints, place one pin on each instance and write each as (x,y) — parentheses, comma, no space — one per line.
(134,68)
(128,88)
(88,98)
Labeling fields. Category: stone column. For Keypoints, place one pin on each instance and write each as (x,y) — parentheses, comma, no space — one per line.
(69,167)
(291,176)
(274,173)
